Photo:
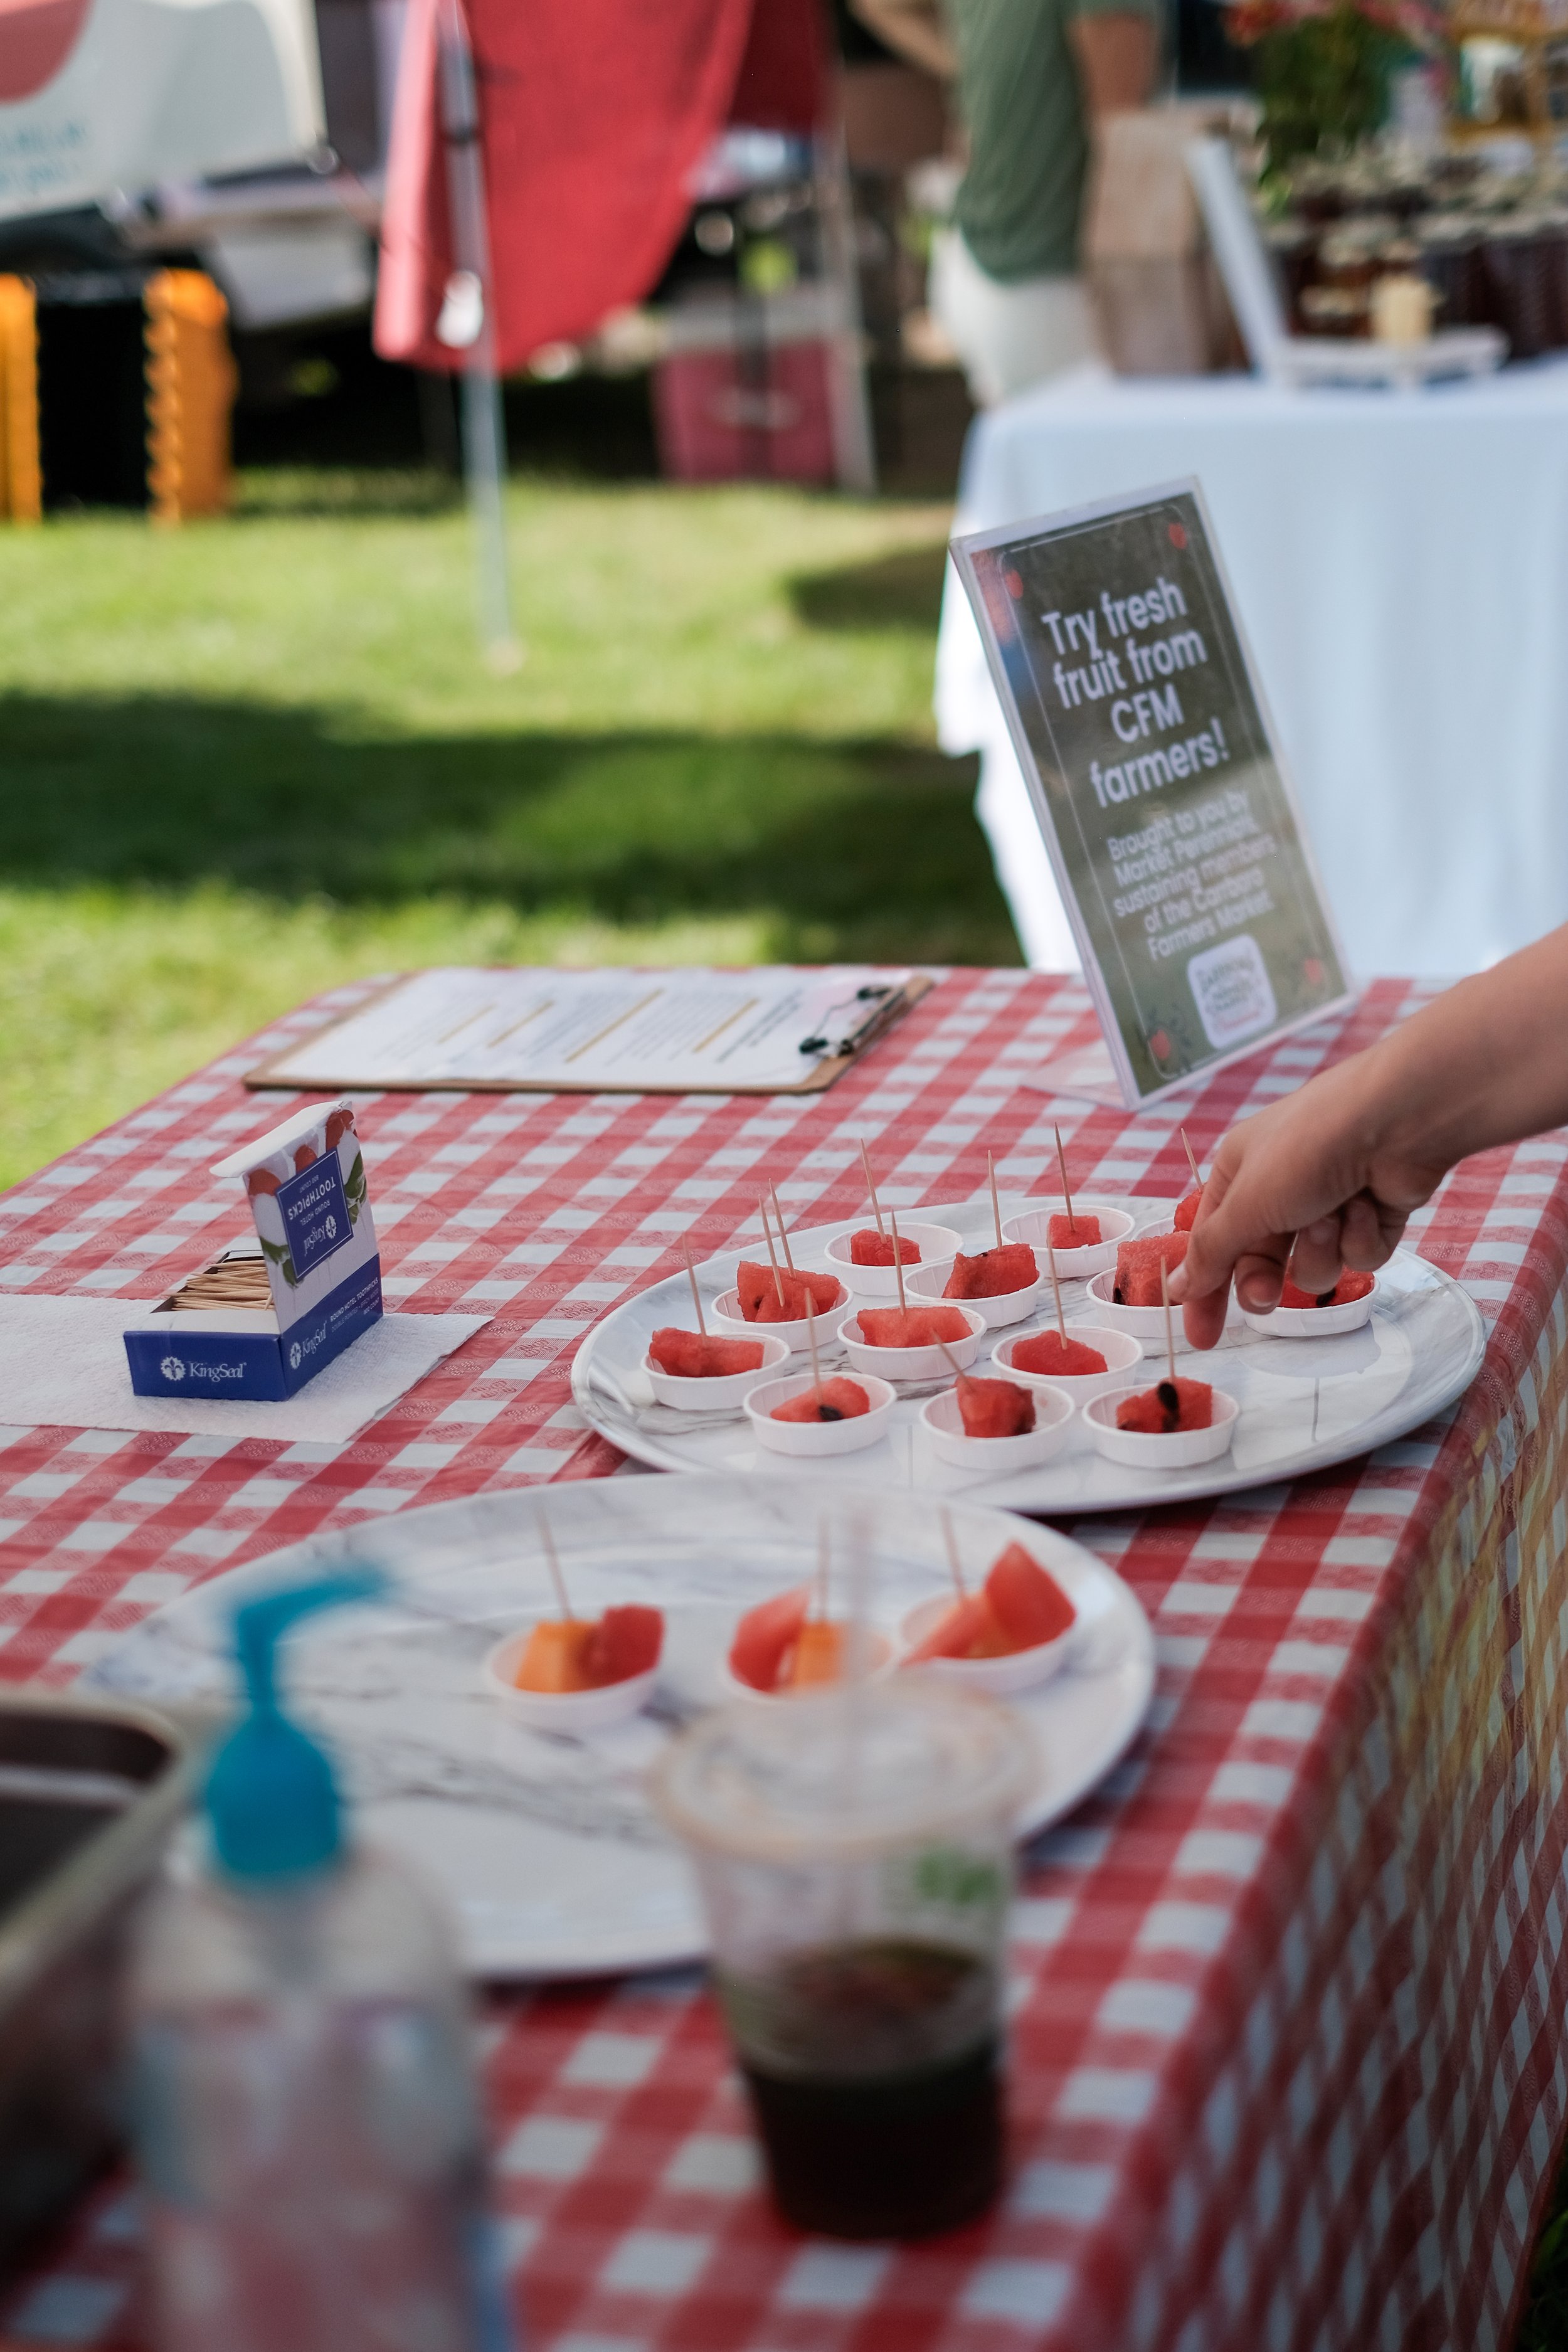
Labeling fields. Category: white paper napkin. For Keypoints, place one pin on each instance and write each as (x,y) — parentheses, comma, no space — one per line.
(62,1365)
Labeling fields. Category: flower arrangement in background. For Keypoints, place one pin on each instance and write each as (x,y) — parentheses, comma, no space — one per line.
(1323,66)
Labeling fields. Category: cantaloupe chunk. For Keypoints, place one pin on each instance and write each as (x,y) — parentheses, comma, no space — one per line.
(818,1654)
(552,1660)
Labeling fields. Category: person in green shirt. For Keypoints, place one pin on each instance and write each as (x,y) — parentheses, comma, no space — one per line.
(1032,77)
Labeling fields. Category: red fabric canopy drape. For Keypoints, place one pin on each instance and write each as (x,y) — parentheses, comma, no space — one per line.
(593,114)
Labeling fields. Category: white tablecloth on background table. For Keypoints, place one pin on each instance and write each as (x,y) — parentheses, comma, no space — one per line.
(1400,563)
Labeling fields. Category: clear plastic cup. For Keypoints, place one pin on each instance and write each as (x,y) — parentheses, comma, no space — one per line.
(855,1853)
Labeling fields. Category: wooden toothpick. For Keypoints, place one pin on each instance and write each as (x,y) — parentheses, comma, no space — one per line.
(872,1188)
(898,1261)
(1057,1293)
(995,1203)
(768,1237)
(1169,1335)
(1192,1163)
(1062,1165)
(811,1343)
(950,1539)
(552,1558)
(778,1219)
(691,1278)
(960,1375)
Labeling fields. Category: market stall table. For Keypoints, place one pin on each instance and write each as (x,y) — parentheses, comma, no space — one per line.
(1288,2060)
(1400,563)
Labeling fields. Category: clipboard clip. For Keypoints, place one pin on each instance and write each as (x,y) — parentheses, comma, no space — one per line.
(879,998)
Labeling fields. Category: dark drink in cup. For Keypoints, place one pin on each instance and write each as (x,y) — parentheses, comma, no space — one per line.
(874,2075)
(855,1853)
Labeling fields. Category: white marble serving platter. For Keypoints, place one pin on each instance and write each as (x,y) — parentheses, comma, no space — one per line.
(545,1845)
(1305,1404)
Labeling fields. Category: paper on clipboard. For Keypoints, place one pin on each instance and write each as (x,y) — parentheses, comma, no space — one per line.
(770,1029)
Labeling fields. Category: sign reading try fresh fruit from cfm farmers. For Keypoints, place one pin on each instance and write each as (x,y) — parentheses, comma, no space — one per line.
(1141,735)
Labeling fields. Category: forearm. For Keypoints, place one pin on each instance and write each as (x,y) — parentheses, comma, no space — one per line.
(1486,1064)
(1327,1177)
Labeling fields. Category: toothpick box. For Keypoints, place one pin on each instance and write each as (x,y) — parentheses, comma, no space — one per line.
(305,1184)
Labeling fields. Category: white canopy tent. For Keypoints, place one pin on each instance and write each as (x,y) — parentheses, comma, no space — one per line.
(98,96)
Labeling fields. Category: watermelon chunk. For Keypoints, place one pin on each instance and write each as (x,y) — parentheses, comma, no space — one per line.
(1187,1209)
(688,1355)
(868,1247)
(552,1659)
(911,1327)
(1168,1407)
(967,1631)
(1046,1354)
(1026,1602)
(759,1293)
(1138,1268)
(627,1641)
(992,1273)
(1350,1286)
(1079,1232)
(994,1409)
(838,1400)
(766,1636)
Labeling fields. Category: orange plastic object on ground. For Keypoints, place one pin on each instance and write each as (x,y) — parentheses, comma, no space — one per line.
(993,1272)
(1349,1288)
(766,1636)
(1167,1407)
(911,1327)
(578,1653)
(1187,1209)
(868,1247)
(1047,1355)
(839,1399)
(759,1293)
(687,1355)
(1074,1233)
(1138,1268)
(994,1409)
(191,385)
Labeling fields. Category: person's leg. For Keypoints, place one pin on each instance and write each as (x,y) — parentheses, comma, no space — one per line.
(1008,337)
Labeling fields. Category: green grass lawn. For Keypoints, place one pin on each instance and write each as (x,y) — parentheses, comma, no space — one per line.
(247,759)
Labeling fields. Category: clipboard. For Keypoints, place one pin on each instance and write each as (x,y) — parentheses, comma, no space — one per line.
(869,1014)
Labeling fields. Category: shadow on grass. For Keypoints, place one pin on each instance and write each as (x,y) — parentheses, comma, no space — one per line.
(901,590)
(844,849)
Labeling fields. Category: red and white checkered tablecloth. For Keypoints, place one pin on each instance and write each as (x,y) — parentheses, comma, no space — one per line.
(1288,2060)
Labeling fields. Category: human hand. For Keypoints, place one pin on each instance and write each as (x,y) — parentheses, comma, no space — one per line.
(1311,1185)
